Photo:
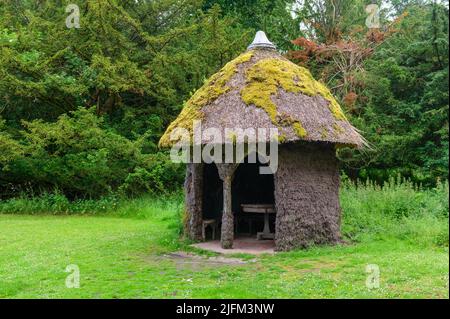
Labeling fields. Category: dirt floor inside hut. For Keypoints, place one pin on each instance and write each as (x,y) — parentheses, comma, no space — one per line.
(241,245)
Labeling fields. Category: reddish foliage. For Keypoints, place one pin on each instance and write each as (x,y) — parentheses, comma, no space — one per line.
(340,58)
(308,51)
(375,36)
(350,99)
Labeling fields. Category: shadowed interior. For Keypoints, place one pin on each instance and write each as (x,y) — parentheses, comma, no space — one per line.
(248,187)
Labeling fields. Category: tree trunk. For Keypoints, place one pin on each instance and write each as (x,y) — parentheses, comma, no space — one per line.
(226,172)
(227,234)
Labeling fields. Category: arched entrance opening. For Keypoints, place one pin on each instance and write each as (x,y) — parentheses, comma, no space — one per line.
(253,200)
(212,200)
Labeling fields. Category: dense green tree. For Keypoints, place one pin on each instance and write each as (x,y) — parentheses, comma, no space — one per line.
(272,16)
(148,55)
(404,104)
(132,62)
(82,109)
(393,82)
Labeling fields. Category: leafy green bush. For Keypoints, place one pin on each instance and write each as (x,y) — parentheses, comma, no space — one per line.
(80,157)
(156,175)
(10,149)
(57,204)
(442,239)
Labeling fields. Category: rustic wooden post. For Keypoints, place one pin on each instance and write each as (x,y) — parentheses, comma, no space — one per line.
(226,174)
(227,235)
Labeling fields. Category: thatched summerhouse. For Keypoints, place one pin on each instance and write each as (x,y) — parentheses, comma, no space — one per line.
(262,89)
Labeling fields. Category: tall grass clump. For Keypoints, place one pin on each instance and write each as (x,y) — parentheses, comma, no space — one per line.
(56,203)
(397,209)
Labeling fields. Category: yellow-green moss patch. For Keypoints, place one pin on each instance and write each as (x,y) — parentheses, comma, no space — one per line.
(210,91)
(338,130)
(298,129)
(281,138)
(324,132)
(285,120)
(334,106)
(265,77)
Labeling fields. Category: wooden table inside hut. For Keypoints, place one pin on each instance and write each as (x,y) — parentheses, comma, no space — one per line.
(265,209)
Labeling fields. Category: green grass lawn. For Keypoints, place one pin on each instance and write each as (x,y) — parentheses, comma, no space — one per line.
(124,252)
(124,258)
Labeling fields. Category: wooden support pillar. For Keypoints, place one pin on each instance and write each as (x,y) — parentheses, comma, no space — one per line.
(226,173)
(227,234)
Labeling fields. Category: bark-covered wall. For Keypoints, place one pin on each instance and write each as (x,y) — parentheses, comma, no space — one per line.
(306,196)
(193,186)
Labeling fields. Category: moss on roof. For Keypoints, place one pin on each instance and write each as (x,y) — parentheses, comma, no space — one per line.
(266,76)
(262,79)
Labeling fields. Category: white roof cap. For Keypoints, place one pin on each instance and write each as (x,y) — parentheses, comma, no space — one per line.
(261,41)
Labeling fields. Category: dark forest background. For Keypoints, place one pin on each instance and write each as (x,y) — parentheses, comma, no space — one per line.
(81,110)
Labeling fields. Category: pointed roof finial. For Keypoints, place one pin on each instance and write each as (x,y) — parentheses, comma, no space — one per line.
(261,41)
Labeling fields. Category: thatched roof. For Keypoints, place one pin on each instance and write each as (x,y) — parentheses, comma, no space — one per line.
(262,89)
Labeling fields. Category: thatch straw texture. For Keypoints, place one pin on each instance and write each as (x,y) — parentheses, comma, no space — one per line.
(262,89)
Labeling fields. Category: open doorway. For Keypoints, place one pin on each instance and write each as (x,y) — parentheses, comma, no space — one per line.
(253,201)
(212,202)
